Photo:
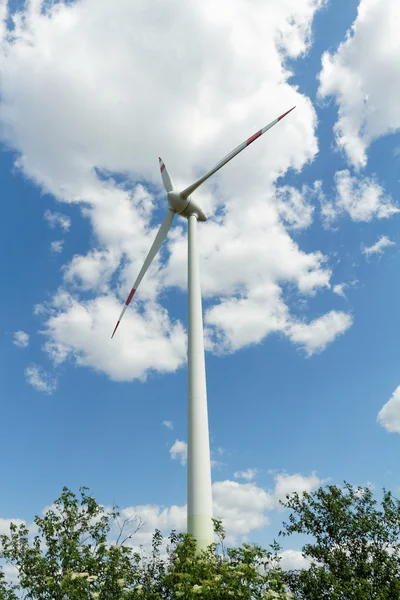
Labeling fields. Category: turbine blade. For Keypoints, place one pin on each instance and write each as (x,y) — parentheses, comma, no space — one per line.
(160,237)
(167,181)
(189,190)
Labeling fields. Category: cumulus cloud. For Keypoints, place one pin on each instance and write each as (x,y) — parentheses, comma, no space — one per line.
(389,415)
(56,218)
(92,148)
(286,484)
(168,424)
(21,339)
(315,336)
(363,76)
(148,341)
(179,451)
(238,322)
(91,271)
(362,198)
(245,506)
(378,247)
(241,507)
(249,474)
(293,560)
(40,380)
(83,73)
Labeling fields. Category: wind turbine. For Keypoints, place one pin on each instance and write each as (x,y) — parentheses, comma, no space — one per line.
(199,494)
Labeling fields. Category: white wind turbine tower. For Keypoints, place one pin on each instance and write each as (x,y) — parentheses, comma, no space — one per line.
(199,494)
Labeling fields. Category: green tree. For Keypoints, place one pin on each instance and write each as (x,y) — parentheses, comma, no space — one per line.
(355,547)
(71,557)
(7,591)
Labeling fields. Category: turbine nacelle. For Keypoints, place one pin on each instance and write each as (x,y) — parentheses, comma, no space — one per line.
(185,206)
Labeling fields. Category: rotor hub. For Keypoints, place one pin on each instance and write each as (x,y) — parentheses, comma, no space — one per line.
(185,206)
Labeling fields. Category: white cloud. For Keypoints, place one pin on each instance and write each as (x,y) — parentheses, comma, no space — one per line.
(168,424)
(339,289)
(249,474)
(362,198)
(315,336)
(389,415)
(11,573)
(154,517)
(238,322)
(364,78)
(5,525)
(328,213)
(40,380)
(286,484)
(249,249)
(294,206)
(148,340)
(108,138)
(56,218)
(245,506)
(57,246)
(21,339)
(179,451)
(91,271)
(378,247)
(241,506)
(247,253)
(293,560)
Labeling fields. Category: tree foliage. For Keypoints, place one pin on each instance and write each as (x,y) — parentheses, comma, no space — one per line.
(355,547)
(70,556)
(7,591)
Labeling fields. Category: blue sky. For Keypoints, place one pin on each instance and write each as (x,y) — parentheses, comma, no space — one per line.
(298,403)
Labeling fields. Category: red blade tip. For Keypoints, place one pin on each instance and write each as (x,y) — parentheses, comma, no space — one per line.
(128,300)
(286,113)
(115,329)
